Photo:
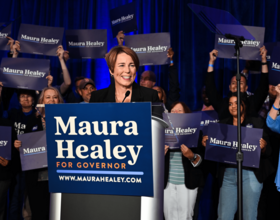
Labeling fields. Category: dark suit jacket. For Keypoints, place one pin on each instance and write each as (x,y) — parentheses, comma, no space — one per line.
(139,94)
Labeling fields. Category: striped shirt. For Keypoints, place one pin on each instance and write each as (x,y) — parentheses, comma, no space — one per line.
(176,169)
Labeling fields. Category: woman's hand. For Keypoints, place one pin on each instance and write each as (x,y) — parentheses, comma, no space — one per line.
(50,80)
(187,152)
(16,49)
(263,144)
(120,37)
(212,57)
(3,162)
(60,52)
(10,43)
(204,139)
(263,53)
(17,144)
(166,149)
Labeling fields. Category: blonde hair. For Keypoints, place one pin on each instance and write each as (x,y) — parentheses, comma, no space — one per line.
(41,99)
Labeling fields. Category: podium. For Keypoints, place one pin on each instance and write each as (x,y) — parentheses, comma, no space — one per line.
(106,207)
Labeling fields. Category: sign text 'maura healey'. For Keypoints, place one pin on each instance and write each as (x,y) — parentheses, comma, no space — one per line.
(119,152)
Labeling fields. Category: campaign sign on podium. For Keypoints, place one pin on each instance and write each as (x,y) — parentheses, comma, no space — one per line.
(101,148)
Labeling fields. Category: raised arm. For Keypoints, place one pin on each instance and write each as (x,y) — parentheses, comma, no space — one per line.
(263,87)
(174,86)
(213,95)
(272,121)
(63,56)
(120,38)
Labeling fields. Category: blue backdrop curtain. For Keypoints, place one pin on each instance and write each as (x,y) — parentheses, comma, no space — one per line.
(190,39)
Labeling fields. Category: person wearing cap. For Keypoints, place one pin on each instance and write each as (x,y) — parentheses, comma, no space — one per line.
(85,88)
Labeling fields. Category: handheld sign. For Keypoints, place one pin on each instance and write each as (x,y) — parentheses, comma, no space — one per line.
(208,117)
(100,148)
(150,48)
(123,18)
(222,145)
(86,44)
(33,152)
(183,129)
(274,66)
(24,73)
(250,49)
(269,46)
(38,39)
(6,142)
(5,32)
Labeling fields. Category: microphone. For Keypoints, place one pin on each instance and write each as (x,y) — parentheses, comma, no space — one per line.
(126,95)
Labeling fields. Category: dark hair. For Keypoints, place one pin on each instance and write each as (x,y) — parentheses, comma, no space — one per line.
(26,92)
(111,57)
(185,107)
(241,76)
(79,78)
(152,75)
(243,99)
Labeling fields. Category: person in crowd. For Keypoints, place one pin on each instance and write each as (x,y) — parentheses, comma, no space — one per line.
(148,77)
(252,178)
(37,180)
(207,106)
(7,171)
(183,176)
(74,97)
(123,64)
(160,92)
(270,198)
(86,87)
(255,101)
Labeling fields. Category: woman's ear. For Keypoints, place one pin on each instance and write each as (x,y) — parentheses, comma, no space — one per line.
(111,73)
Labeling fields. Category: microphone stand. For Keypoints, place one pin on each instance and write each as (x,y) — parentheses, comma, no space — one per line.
(239,154)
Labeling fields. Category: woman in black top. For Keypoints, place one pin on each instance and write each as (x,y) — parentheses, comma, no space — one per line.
(123,64)
(252,179)
(37,180)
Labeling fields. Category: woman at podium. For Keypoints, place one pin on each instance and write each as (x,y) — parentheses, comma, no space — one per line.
(123,64)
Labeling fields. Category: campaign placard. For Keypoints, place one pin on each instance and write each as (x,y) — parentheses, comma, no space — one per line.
(86,44)
(183,129)
(222,145)
(6,142)
(38,39)
(24,73)
(33,150)
(150,48)
(208,117)
(270,47)
(101,148)
(5,32)
(250,49)
(123,18)
(274,66)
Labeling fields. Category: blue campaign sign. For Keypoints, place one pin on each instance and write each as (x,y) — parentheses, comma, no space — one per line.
(208,117)
(24,73)
(183,129)
(33,152)
(222,145)
(274,67)
(5,32)
(123,18)
(101,148)
(6,142)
